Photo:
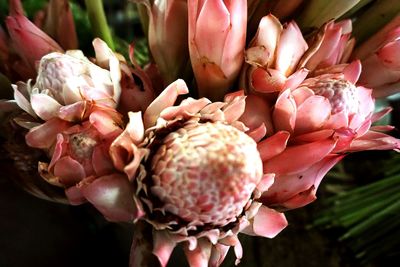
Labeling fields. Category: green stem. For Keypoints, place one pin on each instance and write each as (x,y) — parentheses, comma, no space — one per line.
(98,21)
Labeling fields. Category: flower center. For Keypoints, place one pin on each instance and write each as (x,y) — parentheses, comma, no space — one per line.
(81,146)
(206,173)
(341,94)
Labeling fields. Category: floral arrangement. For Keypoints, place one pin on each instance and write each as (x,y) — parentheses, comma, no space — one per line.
(235,119)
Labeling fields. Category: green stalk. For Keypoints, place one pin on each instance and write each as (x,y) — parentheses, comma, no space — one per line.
(98,21)
(373,19)
(366,189)
(374,219)
(352,218)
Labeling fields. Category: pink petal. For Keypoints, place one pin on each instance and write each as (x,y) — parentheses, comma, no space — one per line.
(112,195)
(200,256)
(352,72)
(44,135)
(375,141)
(218,254)
(69,171)
(267,81)
(305,155)
(291,48)
(166,99)
(267,36)
(101,160)
(273,145)
(294,80)
(163,246)
(312,114)
(75,112)
(257,112)
(284,114)
(234,110)
(268,222)
(297,190)
(103,122)
(389,54)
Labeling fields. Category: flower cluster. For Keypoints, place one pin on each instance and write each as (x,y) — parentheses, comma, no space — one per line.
(275,116)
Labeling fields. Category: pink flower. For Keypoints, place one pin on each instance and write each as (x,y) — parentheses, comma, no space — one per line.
(312,127)
(217,36)
(197,177)
(381,61)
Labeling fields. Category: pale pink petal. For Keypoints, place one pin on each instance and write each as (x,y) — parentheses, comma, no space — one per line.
(268,222)
(45,106)
(21,100)
(112,195)
(273,145)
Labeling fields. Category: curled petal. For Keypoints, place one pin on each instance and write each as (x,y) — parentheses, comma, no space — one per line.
(112,196)
(44,135)
(166,99)
(268,222)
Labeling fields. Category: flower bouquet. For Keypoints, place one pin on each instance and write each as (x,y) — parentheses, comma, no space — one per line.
(238,114)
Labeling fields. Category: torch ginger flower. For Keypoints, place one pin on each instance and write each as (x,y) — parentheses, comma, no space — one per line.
(324,118)
(28,42)
(168,35)
(68,86)
(217,36)
(197,177)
